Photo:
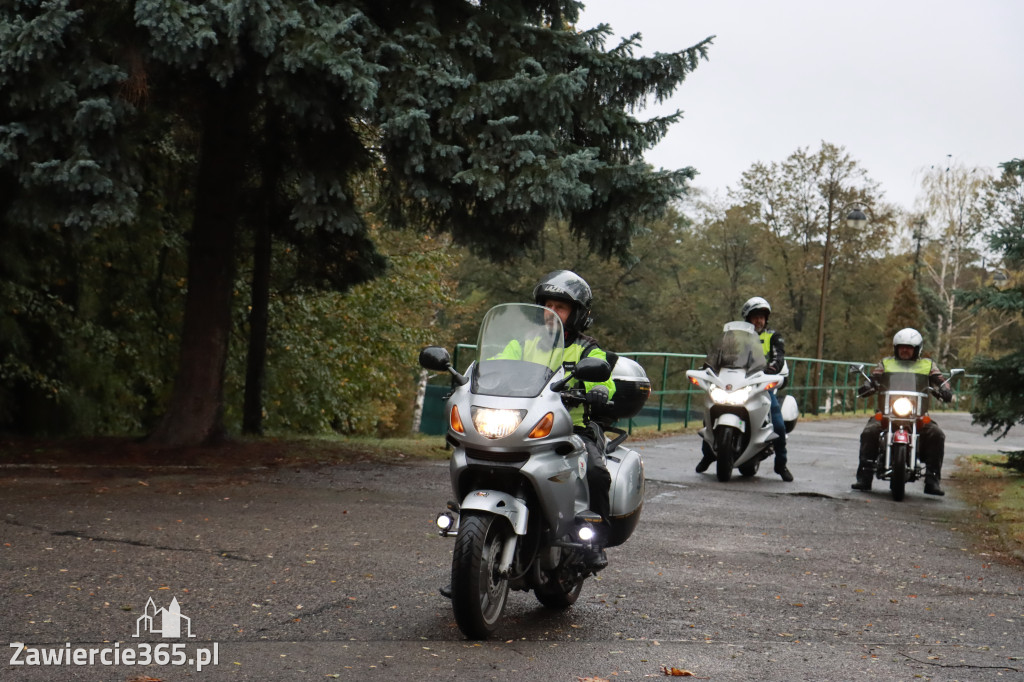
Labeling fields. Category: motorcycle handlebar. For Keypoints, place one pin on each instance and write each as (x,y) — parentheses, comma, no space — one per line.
(579,396)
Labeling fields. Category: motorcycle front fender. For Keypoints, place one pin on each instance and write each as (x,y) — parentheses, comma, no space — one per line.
(730,419)
(500,504)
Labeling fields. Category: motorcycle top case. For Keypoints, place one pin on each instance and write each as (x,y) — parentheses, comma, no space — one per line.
(632,388)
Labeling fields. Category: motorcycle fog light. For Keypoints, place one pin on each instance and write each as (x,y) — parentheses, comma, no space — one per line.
(723,397)
(492,423)
(586,533)
(444,521)
(902,407)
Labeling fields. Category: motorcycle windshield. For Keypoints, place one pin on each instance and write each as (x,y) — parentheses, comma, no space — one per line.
(737,348)
(520,350)
(904,381)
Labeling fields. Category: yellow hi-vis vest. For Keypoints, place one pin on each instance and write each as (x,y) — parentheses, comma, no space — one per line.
(572,353)
(919,366)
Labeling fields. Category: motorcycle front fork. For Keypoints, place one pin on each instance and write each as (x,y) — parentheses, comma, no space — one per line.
(884,464)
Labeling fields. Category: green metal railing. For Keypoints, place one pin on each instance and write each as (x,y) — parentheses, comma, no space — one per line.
(819,386)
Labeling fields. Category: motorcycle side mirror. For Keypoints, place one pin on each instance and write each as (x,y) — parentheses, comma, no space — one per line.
(437,359)
(953,373)
(854,369)
(587,369)
(593,369)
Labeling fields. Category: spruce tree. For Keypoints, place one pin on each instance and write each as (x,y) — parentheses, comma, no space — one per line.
(905,312)
(1001,382)
(479,119)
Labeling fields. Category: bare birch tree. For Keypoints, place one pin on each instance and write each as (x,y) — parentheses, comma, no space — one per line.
(952,203)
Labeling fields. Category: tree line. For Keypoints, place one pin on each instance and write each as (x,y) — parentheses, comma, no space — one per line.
(169,168)
(248,217)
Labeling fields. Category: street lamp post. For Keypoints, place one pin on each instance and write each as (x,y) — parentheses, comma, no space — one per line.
(855,219)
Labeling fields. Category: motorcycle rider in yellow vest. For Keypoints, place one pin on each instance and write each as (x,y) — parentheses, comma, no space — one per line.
(569,296)
(756,311)
(906,345)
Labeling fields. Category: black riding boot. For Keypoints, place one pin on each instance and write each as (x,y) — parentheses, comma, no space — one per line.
(865,472)
(599,481)
(707,457)
(933,471)
(931,483)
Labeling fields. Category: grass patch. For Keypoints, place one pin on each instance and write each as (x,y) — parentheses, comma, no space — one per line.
(414,447)
(996,496)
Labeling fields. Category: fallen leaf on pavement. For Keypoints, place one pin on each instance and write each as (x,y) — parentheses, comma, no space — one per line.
(676,672)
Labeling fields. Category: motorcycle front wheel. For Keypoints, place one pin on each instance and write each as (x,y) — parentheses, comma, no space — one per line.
(727,441)
(898,481)
(479,591)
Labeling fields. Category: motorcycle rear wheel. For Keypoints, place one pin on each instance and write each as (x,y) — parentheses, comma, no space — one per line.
(479,592)
(726,448)
(558,593)
(749,468)
(898,480)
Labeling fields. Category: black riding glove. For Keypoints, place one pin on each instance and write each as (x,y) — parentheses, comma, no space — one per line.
(945,394)
(867,389)
(598,395)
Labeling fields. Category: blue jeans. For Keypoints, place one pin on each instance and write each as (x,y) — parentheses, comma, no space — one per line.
(780,429)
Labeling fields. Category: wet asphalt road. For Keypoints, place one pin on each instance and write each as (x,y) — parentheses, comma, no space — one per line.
(332,573)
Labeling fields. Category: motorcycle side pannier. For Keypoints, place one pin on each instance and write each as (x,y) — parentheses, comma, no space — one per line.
(632,388)
(627,500)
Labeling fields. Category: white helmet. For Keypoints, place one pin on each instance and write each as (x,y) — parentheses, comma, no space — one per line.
(908,337)
(756,303)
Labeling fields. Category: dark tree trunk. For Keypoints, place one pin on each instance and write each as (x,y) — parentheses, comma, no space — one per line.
(195,413)
(269,215)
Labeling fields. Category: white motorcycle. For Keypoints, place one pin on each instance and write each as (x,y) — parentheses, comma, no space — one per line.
(737,407)
(521,516)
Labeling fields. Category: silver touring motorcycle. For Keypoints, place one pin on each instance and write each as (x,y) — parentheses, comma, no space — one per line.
(521,516)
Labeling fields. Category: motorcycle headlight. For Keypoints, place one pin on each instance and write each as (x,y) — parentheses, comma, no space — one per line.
(493,423)
(723,397)
(903,407)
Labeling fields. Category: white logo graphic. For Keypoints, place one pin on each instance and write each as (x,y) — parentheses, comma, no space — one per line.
(163,622)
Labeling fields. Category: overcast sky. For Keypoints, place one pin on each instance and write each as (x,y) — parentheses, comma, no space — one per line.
(900,84)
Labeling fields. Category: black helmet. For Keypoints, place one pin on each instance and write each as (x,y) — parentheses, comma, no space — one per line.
(566,285)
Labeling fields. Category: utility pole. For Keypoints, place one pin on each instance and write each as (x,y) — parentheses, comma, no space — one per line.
(919,226)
